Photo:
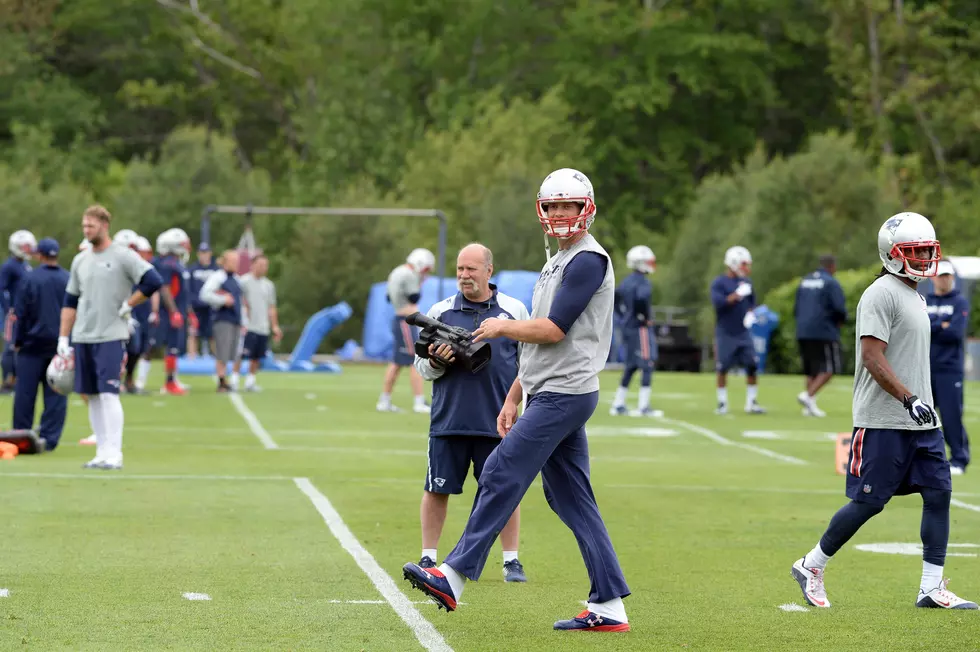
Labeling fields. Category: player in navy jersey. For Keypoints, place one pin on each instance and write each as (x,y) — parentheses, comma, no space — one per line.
(173,250)
(633,303)
(734,302)
(22,245)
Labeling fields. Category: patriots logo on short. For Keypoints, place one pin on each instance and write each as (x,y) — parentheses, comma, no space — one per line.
(893,224)
(867,488)
(439,481)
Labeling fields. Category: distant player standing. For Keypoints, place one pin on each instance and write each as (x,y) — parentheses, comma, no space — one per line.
(566,343)
(98,303)
(173,249)
(22,245)
(633,298)
(404,291)
(262,318)
(734,301)
(897,447)
(820,310)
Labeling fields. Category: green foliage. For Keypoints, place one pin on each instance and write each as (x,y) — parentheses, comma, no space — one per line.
(784,356)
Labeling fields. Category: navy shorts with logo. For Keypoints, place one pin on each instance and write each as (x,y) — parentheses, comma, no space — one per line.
(732,352)
(403,350)
(885,463)
(641,347)
(255,346)
(449,461)
(98,367)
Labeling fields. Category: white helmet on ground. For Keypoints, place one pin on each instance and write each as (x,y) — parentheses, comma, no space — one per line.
(142,244)
(126,238)
(566,185)
(22,244)
(908,247)
(641,259)
(421,260)
(174,242)
(84,245)
(739,260)
(61,374)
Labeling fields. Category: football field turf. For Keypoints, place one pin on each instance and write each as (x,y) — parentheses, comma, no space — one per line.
(281,520)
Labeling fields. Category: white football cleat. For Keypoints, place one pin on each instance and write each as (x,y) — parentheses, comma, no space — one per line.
(815,411)
(754,408)
(811,582)
(381,407)
(88,441)
(942,598)
(721,409)
(618,411)
(422,408)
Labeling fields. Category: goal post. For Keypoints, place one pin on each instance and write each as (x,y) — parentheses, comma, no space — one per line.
(249,210)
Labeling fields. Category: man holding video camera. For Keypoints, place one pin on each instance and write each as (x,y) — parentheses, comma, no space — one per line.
(465,404)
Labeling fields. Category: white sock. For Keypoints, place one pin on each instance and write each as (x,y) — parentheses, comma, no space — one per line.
(620,400)
(112,413)
(430,553)
(750,393)
(932,576)
(510,555)
(419,400)
(613,609)
(384,400)
(250,380)
(234,380)
(816,558)
(97,422)
(456,581)
(644,398)
(142,372)
(722,395)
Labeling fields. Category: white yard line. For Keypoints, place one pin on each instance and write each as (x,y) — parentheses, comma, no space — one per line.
(112,475)
(252,421)
(960,503)
(195,596)
(724,441)
(426,634)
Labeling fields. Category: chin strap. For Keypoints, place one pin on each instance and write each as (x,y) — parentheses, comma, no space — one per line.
(547,248)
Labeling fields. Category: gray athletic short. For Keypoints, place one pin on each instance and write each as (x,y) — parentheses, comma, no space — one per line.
(226,336)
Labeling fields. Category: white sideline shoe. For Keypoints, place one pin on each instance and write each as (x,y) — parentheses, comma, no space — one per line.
(942,598)
(811,582)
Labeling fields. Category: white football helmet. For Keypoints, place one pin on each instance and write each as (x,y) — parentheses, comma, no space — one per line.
(421,260)
(739,260)
(84,245)
(142,244)
(61,374)
(22,244)
(908,247)
(126,238)
(641,259)
(566,185)
(176,242)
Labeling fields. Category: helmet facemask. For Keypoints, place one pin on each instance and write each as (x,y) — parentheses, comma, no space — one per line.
(565,224)
(920,260)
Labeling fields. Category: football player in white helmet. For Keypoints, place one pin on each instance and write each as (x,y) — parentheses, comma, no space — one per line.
(734,302)
(565,347)
(22,245)
(897,446)
(404,291)
(633,304)
(173,249)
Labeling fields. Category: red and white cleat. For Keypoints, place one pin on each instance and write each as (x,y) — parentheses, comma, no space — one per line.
(811,582)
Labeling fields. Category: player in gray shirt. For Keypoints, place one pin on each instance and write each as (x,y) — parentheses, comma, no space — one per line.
(261,320)
(897,447)
(98,302)
(566,343)
(404,292)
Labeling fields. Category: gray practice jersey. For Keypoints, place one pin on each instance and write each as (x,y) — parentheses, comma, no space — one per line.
(102,281)
(571,366)
(894,313)
(259,295)
(403,282)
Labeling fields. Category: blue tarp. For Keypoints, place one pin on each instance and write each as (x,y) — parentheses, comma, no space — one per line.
(762,330)
(377,339)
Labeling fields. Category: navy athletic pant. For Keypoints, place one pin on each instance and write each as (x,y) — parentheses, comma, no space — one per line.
(947,390)
(31,372)
(549,437)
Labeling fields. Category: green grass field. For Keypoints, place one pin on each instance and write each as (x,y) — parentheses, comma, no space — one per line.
(707,514)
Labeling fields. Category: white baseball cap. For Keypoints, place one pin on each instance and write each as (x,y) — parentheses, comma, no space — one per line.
(945,267)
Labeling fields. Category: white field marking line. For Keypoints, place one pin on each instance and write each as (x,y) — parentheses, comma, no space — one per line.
(252,421)
(793,607)
(426,634)
(428,602)
(121,476)
(196,596)
(714,436)
(960,503)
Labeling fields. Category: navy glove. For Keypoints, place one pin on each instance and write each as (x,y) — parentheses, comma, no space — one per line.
(921,413)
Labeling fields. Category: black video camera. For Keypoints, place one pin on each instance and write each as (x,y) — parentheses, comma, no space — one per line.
(473,356)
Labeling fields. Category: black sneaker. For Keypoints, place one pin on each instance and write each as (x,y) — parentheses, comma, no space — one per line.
(514,571)
(427,562)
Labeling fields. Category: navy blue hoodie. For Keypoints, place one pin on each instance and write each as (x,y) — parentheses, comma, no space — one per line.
(947,349)
(820,308)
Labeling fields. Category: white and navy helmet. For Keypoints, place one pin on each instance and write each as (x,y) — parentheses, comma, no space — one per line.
(174,242)
(126,238)
(908,247)
(61,374)
(566,185)
(22,244)
(421,260)
(641,259)
(739,260)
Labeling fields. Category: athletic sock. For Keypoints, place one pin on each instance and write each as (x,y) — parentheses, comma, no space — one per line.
(751,392)
(510,555)
(613,609)
(456,581)
(112,413)
(722,395)
(932,576)
(142,372)
(620,400)
(430,553)
(170,366)
(816,558)
(96,420)
(644,403)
